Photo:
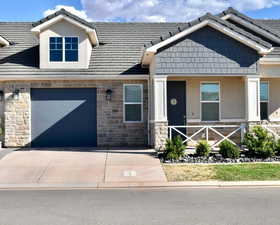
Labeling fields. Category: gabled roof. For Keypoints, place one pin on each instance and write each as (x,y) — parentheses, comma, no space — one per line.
(65,13)
(250,23)
(62,14)
(223,26)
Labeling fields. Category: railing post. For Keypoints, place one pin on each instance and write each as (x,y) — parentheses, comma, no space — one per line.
(170,135)
(243,130)
(207,134)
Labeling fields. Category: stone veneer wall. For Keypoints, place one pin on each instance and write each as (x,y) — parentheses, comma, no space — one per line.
(159,134)
(111,130)
(17,115)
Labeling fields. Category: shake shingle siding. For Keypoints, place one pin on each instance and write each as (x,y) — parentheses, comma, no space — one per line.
(207,51)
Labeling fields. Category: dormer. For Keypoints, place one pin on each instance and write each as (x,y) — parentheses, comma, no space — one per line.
(66,41)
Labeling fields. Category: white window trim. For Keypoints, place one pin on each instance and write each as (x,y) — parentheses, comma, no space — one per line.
(266,101)
(133,103)
(203,101)
(63,49)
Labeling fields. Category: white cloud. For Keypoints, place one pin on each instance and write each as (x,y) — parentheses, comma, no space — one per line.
(80,13)
(158,10)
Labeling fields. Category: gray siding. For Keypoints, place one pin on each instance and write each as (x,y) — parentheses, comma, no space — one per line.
(207,51)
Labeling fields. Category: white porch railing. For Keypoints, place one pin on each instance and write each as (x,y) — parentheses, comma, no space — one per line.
(274,129)
(222,132)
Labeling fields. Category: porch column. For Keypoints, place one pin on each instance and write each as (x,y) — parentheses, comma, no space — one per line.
(159,123)
(252,95)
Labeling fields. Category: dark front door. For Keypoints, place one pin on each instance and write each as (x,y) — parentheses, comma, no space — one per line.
(176,103)
(63,117)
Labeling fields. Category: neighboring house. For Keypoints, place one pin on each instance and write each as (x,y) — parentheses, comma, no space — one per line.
(68,82)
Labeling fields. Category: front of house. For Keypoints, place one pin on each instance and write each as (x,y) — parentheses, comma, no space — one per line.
(66,82)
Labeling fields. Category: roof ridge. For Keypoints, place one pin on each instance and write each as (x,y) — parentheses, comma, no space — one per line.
(231,10)
(62,12)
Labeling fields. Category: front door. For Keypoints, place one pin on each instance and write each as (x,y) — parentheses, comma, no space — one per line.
(176,103)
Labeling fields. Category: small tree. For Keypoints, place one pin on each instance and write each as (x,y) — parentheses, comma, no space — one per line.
(174,149)
(203,148)
(229,150)
(259,142)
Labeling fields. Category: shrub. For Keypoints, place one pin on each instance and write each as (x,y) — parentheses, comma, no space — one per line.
(277,147)
(259,142)
(174,149)
(203,148)
(229,150)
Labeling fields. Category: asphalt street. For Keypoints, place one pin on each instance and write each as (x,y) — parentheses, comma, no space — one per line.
(203,206)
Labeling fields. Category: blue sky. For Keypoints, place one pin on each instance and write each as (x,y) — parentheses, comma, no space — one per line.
(136,10)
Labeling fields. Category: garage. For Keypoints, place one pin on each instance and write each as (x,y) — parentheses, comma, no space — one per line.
(63,117)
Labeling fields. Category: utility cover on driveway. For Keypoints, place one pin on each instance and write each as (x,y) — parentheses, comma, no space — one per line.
(63,117)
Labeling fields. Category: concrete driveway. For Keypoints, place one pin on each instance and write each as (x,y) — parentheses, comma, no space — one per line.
(80,167)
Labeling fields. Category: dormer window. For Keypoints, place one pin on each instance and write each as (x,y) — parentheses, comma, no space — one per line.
(64,49)
(56,50)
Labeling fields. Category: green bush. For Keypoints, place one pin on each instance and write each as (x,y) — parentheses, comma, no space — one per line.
(259,142)
(203,148)
(229,150)
(277,147)
(174,149)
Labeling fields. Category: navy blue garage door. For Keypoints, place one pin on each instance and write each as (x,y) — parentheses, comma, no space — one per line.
(63,117)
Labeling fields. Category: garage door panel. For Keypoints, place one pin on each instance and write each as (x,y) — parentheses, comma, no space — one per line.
(63,117)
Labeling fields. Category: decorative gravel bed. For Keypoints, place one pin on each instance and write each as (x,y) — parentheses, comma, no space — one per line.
(217,158)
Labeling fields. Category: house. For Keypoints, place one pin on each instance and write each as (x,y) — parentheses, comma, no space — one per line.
(68,82)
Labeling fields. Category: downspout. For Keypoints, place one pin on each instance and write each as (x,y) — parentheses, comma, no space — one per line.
(149,106)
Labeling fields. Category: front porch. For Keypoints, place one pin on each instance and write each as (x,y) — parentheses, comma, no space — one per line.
(212,108)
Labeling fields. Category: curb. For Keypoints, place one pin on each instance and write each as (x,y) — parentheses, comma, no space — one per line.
(127,185)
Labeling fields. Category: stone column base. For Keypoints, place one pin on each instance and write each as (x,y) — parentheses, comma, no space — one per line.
(159,134)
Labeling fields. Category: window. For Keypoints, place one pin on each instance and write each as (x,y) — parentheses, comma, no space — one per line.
(71,49)
(210,101)
(133,102)
(64,49)
(264,97)
(56,51)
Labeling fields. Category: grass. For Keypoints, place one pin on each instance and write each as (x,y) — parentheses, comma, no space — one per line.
(237,172)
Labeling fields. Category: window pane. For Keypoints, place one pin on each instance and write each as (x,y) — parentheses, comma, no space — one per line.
(55,55)
(264,111)
(71,55)
(133,93)
(210,111)
(67,39)
(264,91)
(59,39)
(133,112)
(210,92)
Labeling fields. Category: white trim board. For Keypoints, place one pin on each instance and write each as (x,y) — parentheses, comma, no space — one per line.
(73,77)
(248,25)
(4,41)
(91,32)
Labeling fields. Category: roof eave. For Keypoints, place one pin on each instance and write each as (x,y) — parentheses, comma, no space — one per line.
(151,51)
(89,30)
(250,23)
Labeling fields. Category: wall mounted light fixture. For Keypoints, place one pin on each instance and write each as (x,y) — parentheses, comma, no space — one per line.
(109,94)
(1,95)
(16,94)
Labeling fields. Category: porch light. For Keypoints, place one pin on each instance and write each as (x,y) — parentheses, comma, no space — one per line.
(16,94)
(109,94)
(1,96)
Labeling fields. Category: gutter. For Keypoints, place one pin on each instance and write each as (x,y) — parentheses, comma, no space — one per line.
(72,77)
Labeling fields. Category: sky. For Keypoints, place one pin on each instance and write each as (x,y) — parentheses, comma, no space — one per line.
(135,10)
